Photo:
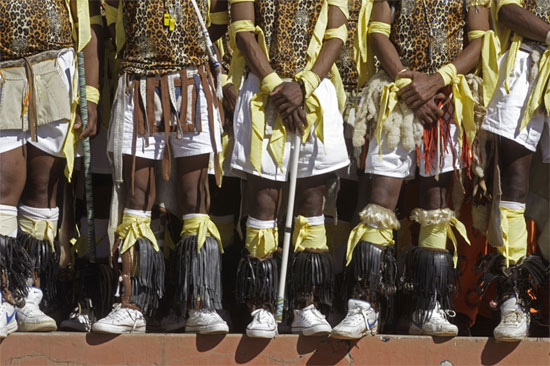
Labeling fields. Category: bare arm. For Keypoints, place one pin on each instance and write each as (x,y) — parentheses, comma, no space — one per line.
(524,22)
(383,48)
(331,47)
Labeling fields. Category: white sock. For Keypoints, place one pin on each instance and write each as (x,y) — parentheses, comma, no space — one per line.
(260,224)
(315,220)
(512,205)
(138,213)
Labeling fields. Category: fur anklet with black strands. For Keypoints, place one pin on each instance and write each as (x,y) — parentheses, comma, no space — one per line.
(520,279)
(311,278)
(372,276)
(15,266)
(147,276)
(198,274)
(429,277)
(257,281)
(45,263)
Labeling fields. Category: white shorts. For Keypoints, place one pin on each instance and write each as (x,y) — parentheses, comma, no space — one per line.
(316,157)
(51,136)
(401,163)
(190,143)
(505,110)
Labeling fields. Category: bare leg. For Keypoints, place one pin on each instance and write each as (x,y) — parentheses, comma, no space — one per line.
(192,183)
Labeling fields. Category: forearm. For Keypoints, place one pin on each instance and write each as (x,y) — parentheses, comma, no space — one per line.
(93,51)
(387,55)
(524,22)
(332,46)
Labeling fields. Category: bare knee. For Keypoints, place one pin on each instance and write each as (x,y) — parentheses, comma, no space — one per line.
(139,181)
(310,199)
(384,191)
(433,193)
(263,198)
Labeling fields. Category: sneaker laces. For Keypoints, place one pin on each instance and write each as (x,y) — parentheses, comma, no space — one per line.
(513,317)
(353,314)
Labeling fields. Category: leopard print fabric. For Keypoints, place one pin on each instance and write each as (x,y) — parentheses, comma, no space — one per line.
(346,62)
(29,27)
(540,8)
(288,27)
(410,32)
(151,48)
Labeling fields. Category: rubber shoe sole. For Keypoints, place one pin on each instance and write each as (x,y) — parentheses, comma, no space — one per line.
(342,335)
(47,326)
(319,330)
(414,330)
(69,325)
(260,333)
(210,329)
(116,329)
(510,339)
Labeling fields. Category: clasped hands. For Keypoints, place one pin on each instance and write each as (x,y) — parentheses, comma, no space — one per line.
(422,95)
(288,99)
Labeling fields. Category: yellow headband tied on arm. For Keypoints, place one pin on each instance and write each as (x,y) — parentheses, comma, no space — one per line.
(92,94)
(380,27)
(201,226)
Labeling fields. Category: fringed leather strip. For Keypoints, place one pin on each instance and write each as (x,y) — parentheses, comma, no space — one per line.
(148,281)
(311,277)
(45,263)
(372,276)
(15,266)
(428,277)
(198,274)
(257,281)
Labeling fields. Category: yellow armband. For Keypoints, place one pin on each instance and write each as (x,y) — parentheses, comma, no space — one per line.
(219,18)
(380,27)
(340,4)
(470,3)
(111,14)
(96,20)
(448,73)
(92,94)
(311,81)
(341,33)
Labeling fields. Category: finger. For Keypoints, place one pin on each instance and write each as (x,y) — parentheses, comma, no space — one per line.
(289,124)
(77,123)
(406,74)
(277,90)
(405,90)
(300,121)
(417,103)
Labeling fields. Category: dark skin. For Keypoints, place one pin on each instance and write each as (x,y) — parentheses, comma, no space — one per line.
(30,176)
(515,160)
(264,195)
(421,95)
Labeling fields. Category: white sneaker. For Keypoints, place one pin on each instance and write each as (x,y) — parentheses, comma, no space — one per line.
(310,322)
(172,322)
(263,325)
(205,322)
(514,322)
(30,318)
(80,320)
(437,325)
(8,322)
(360,320)
(121,320)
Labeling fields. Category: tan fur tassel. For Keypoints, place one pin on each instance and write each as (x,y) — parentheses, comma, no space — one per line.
(379,217)
(432,217)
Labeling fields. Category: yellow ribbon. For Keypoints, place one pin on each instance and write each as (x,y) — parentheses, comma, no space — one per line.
(435,236)
(261,242)
(39,229)
(96,20)
(82,33)
(361,49)
(514,233)
(380,27)
(369,234)
(8,224)
(306,236)
(92,94)
(340,4)
(388,101)
(471,3)
(463,102)
(134,227)
(220,18)
(341,33)
(201,226)
(115,16)
(541,92)
(258,104)
(490,52)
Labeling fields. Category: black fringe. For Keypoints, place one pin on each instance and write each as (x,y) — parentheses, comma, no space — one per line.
(519,279)
(311,276)
(198,274)
(429,276)
(45,263)
(257,281)
(372,276)
(17,265)
(148,282)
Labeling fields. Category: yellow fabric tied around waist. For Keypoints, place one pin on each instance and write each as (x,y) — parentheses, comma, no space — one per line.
(463,102)
(258,104)
(39,229)
(541,92)
(134,227)
(261,242)
(307,236)
(435,236)
(237,59)
(388,101)
(363,232)
(201,226)
(514,233)
(92,94)
(490,52)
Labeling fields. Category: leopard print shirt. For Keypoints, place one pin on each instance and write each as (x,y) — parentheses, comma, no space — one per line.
(410,32)
(346,63)
(288,27)
(151,48)
(540,8)
(29,27)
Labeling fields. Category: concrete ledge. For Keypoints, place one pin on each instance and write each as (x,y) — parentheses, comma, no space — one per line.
(179,349)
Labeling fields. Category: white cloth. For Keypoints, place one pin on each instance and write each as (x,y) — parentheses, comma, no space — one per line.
(315,158)
(505,110)
(51,136)
(401,163)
